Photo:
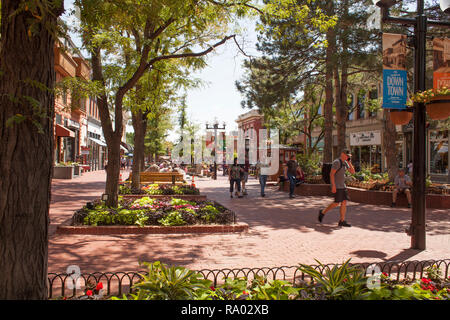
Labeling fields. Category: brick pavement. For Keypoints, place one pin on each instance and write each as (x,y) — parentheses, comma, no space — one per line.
(282,232)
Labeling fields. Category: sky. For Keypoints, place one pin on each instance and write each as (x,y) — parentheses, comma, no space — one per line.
(218,98)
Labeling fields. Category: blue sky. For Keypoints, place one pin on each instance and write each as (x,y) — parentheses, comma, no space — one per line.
(218,97)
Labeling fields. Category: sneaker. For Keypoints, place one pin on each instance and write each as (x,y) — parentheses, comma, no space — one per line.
(321,215)
(240,196)
(263,195)
(291,196)
(409,205)
(343,224)
(231,196)
(393,205)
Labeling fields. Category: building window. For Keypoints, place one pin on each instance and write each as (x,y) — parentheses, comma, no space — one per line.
(351,108)
(361,105)
(373,94)
(64,97)
(439,152)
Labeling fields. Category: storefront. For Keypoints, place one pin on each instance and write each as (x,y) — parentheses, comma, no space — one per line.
(366,149)
(438,155)
(97,156)
(65,144)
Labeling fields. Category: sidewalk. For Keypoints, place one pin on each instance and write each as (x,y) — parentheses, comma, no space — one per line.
(283,232)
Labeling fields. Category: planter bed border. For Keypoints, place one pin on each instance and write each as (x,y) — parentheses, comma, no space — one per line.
(116,229)
(188,197)
(374,197)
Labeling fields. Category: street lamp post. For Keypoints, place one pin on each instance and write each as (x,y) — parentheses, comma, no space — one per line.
(215,126)
(420,23)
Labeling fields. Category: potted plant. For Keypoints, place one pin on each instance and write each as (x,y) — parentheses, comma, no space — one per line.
(437,101)
(63,170)
(400,117)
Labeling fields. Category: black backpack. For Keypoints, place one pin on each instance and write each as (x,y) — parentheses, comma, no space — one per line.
(326,170)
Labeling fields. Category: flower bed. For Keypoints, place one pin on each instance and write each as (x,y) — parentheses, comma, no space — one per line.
(155,212)
(159,189)
(340,282)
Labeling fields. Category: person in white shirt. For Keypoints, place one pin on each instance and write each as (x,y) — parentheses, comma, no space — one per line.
(402,184)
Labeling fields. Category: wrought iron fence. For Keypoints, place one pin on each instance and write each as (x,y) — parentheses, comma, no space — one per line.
(119,283)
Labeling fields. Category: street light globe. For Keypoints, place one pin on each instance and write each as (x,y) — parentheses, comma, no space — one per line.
(445,6)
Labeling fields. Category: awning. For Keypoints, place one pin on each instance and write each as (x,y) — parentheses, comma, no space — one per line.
(63,131)
(99,142)
(123,148)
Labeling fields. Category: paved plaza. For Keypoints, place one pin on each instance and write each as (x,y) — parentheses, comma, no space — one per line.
(282,232)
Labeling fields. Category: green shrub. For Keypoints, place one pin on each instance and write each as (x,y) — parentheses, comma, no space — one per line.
(170,283)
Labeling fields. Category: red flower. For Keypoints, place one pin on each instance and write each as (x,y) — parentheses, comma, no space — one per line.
(89,293)
(425,280)
(99,286)
(212,288)
(244,292)
(385,274)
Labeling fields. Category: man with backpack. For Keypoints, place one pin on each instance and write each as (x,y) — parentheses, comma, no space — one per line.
(338,188)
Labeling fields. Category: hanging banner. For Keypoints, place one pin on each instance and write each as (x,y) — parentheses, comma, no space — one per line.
(394,71)
(441,63)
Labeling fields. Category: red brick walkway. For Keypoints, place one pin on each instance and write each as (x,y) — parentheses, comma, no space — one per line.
(282,232)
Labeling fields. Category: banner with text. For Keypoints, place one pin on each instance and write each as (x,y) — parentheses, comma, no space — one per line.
(441,63)
(394,71)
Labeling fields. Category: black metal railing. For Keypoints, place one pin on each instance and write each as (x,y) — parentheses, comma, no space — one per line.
(119,283)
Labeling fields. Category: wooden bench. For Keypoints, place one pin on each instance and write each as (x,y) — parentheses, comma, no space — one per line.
(162,177)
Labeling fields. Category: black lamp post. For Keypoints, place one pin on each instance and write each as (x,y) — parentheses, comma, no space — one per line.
(420,23)
(215,126)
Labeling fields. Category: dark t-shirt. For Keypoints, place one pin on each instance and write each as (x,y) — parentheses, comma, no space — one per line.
(292,168)
(339,177)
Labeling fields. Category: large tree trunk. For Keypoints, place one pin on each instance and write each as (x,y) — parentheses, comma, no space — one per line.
(138,153)
(328,106)
(26,149)
(341,106)
(341,84)
(112,136)
(390,149)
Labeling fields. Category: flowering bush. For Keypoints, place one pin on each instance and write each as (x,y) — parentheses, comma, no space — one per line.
(427,95)
(150,211)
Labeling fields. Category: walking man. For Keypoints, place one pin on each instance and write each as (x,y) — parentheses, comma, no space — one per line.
(338,188)
(290,172)
(262,176)
(234,175)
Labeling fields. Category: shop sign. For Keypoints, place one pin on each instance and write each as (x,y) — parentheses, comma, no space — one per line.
(85,150)
(441,62)
(394,71)
(366,138)
(73,124)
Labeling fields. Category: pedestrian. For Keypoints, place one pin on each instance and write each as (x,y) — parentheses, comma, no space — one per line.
(234,175)
(262,176)
(290,172)
(338,188)
(402,184)
(244,175)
